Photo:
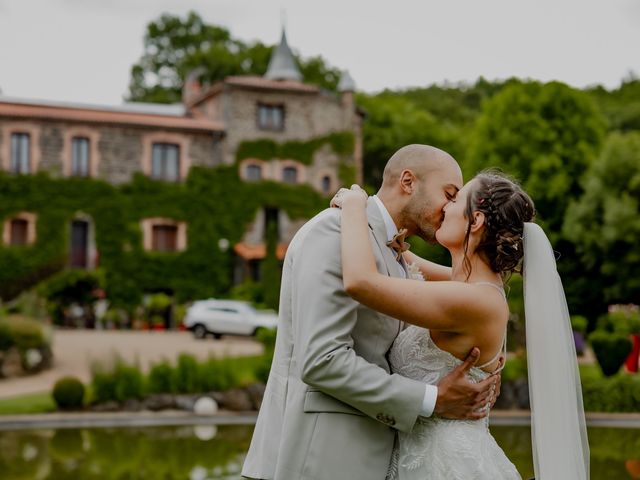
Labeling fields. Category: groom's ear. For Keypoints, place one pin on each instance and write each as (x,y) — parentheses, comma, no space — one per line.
(478,221)
(407,181)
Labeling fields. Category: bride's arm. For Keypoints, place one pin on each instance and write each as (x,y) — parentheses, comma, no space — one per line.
(446,305)
(430,270)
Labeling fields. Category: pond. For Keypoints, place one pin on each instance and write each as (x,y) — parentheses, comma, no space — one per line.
(207,452)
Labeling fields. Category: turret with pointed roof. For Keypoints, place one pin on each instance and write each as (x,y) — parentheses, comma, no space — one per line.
(282,65)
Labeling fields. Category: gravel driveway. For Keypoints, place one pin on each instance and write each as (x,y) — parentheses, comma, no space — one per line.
(75,350)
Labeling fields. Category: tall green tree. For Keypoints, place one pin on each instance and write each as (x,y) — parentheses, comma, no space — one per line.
(394,121)
(175,46)
(620,106)
(546,135)
(605,221)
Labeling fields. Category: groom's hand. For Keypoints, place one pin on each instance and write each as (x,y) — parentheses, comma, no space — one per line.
(460,399)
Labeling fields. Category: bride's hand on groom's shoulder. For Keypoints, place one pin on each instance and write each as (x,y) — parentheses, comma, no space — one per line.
(345,194)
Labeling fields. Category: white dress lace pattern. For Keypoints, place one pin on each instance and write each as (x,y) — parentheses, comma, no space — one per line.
(438,448)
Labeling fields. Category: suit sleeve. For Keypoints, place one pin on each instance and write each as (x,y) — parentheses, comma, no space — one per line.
(326,316)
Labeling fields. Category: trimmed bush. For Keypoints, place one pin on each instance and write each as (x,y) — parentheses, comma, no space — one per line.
(103,385)
(187,374)
(620,393)
(68,393)
(128,382)
(611,350)
(161,378)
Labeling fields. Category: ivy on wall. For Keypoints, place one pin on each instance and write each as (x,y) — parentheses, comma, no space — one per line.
(214,203)
(342,144)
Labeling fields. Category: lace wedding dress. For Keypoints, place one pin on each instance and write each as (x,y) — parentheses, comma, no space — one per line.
(438,448)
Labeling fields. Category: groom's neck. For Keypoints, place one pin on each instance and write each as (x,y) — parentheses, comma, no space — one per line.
(393,206)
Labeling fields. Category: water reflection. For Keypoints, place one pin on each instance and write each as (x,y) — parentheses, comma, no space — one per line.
(208,452)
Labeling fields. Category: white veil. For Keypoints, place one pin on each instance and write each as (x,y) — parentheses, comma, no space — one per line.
(558,428)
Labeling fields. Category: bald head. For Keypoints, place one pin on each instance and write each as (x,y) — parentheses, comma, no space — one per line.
(418,181)
(420,159)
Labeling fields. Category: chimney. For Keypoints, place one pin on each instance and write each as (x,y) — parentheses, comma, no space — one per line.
(192,87)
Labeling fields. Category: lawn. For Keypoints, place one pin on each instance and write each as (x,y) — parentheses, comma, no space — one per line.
(32,403)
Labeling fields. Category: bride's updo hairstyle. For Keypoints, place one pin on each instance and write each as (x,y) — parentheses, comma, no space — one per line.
(506,208)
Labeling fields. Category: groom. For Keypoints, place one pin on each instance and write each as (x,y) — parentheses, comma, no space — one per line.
(331,405)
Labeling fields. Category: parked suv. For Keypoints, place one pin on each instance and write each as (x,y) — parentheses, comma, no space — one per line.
(220,317)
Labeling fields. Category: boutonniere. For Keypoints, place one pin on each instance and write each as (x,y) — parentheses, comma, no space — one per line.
(414,272)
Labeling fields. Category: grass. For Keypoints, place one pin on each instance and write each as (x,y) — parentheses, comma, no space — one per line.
(32,403)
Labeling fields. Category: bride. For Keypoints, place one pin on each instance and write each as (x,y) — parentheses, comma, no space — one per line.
(487,231)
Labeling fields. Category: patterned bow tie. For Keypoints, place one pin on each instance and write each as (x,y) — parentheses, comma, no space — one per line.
(398,244)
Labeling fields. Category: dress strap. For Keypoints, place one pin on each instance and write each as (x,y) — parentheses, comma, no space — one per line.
(502,350)
(500,288)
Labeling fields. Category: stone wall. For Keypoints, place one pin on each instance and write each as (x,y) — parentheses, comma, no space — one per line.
(307,116)
(120,150)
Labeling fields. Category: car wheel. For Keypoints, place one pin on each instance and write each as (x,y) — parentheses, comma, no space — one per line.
(199,331)
(217,336)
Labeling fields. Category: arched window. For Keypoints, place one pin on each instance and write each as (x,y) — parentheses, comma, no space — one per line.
(326,184)
(290,175)
(254,173)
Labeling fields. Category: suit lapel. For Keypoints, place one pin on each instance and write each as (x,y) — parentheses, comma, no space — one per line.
(376,223)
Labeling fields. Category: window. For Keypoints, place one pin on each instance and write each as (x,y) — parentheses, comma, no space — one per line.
(80,157)
(254,173)
(290,175)
(270,117)
(20,229)
(165,162)
(326,184)
(79,254)
(19,232)
(164,234)
(165,238)
(20,154)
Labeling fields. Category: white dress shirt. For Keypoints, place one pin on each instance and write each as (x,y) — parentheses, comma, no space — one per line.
(431,391)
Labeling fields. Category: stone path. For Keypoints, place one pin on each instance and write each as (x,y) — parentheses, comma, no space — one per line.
(75,350)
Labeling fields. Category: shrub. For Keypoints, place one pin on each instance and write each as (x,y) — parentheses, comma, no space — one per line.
(579,323)
(187,374)
(620,393)
(161,378)
(611,350)
(103,385)
(128,382)
(69,287)
(6,337)
(515,369)
(26,333)
(217,375)
(266,336)
(68,393)
(623,319)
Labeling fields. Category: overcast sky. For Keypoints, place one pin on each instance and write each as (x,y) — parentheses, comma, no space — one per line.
(82,50)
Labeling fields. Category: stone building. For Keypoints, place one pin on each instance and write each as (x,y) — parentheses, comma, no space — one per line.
(221,124)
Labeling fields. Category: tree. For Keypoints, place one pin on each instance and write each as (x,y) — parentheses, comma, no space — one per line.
(620,106)
(546,135)
(605,221)
(173,47)
(392,122)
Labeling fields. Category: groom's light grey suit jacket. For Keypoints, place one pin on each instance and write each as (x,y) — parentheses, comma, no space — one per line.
(330,400)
